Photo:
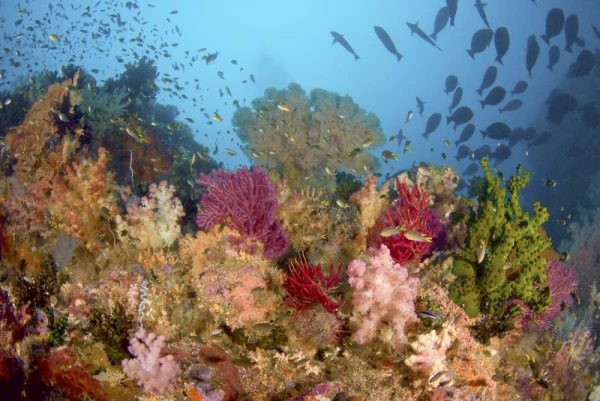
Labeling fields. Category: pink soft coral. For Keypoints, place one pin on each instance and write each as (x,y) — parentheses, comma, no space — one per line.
(412,212)
(246,201)
(384,294)
(151,370)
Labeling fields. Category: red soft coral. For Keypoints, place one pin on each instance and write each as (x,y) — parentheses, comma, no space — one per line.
(307,285)
(410,211)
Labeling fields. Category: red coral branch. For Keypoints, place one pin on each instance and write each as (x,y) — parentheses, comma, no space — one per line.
(307,285)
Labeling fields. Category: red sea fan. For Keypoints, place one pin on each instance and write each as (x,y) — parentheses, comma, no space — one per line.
(410,211)
(307,285)
(246,201)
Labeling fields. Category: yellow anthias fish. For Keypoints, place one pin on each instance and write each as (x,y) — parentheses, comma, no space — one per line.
(391,231)
(481,251)
(217,117)
(283,107)
(416,236)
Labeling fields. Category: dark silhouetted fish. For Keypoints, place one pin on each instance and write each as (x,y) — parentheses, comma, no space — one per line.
(456,98)
(414,28)
(480,152)
(555,21)
(451,83)
(540,139)
(432,124)
(339,38)
(387,41)
(519,88)
(488,79)
(515,136)
(533,52)
(452,8)
(596,31)
(529,134)
(502,42)
(481,10)
(513,105)
(583,66)
(590,115)
(462,152)
(572,33)
(461,116)
(501,153)
(420,106)
(498,131)
(441,20)
(480,41)
(553,57)
(466,134)
(494,97)
(471,169)
(559,105)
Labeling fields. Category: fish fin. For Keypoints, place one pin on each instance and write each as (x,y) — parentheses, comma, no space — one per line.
(499,59)
(471,53)
(482,104)
(479,92)
(433,36)
(448,119)
(398,56)
(356,56)
(568,48)
(545,39)
(483,133)
(550,68)
(425,135)
(580,42)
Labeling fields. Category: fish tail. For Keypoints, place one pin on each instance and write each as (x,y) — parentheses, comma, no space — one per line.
(568,48)
(479,92)
(550,68)
(545,39)
(425,135)
(482,104)
(471,53)
(433,36)
(398,56)
(356,57)
(483,133)
(499,59)
(448,119)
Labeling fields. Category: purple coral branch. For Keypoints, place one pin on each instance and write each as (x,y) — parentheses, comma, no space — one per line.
(246,201)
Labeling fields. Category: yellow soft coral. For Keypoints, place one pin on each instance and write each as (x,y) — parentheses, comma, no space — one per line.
(371,203)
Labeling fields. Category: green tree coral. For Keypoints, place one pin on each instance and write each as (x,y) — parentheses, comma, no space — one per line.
(299,136)
(512,267)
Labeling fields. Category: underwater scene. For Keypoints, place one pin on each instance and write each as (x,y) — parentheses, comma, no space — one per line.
(299,201)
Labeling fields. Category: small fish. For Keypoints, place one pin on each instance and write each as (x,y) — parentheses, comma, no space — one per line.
(330,171)
(563,256)
(409,116)
(342,204)
(388,155)
(53,37)
(550,183)
(230,152)
(7,101)
(216,117)
(561,222)
(283,107)
(367,142)
(436,376)
(430,315)
(407,147)
(481,251)
(391,231)
(416,236)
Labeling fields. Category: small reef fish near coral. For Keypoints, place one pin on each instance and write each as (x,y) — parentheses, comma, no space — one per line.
(186,223)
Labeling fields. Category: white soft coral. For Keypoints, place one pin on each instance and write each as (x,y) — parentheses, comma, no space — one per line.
(430,351)
(384,297)
(153,372)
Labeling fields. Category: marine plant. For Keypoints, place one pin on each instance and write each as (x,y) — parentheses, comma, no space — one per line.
(299,136)
(501,261)
(244,200)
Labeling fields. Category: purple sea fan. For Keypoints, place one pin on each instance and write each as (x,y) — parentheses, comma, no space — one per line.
(246,200)
(562,284)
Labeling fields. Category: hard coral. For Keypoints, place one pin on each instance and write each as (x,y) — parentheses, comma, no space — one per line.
(384,295)
(246,201)
(410,212)
(307,285)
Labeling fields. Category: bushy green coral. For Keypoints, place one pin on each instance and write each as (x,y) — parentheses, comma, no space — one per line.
(513,268)
(299,136)
(113,328)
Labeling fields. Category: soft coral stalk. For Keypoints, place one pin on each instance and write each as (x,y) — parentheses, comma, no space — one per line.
(246,201)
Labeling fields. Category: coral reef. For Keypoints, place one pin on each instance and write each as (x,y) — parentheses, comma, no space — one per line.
(430,349)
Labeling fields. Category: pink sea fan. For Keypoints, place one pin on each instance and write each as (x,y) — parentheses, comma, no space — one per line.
(152,370)
(384,296)
(246,201)
(562,284)
(411,211)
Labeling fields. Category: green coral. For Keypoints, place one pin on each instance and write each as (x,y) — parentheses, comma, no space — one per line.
(113,328)
(513,268)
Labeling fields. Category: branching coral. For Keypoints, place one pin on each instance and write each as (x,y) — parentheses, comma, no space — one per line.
(410,213)
(501,261)
(151,369)
(300,135)
(384,298)
(154,222)
(246,201)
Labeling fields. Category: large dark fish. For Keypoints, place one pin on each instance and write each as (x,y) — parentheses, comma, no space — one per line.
(513,105)
(555,21)
(533,52)
(488,79)
(441,20)
(481,10)
(572,33)
(466,134)
(539,140)
(452,8)
(471,169)
(498,131)
(583,66)
(480,41)
(456,98)
(432,124)
(387,41)
(339,38)
(414,28)
(559,105)
(462,152)
(502,42)
(553,57)
(451,83)
(519,88)
(494,97)
(420,106)
(501,153)
(515,136)
(481,151)
(529,134)
(590,115)
(462,115)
